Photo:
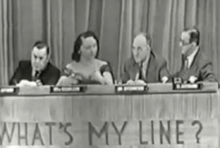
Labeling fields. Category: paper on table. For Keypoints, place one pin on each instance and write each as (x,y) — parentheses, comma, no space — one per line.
(26,83)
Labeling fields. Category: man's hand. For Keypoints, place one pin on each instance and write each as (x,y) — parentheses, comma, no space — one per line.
(130,82)
(164,79)
(136,82)
(192,79)
(39,83)
(140,82)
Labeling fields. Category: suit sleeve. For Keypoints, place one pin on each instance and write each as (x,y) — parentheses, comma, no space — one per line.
(54,78)
(207,73)
(164,71)
(125,74)
(16,78)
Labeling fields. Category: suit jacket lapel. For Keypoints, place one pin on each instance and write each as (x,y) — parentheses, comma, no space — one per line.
(134,71)
(150,71)
(194,64)
(28,72)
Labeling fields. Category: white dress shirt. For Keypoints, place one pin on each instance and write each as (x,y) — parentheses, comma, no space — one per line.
(145,66)
(191,57)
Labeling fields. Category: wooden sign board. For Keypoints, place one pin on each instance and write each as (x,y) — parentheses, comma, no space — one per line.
(160,133)
(9,91)
(109,121)
(67,89)
(130,89)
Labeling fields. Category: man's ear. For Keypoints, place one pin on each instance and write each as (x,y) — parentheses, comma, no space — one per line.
(149,47)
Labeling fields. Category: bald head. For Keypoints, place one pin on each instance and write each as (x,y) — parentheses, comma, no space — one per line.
(145,37)
(141,47)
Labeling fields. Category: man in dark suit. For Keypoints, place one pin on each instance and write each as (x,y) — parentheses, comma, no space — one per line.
(196,66)
(144,66)
(38,71)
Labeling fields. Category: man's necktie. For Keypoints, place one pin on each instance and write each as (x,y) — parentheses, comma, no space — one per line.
(141,77)
(36,76)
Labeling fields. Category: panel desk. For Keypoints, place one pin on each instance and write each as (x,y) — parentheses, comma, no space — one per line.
(100,118)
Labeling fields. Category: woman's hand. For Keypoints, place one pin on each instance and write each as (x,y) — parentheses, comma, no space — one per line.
(77,76)
(97,76)
(67,81)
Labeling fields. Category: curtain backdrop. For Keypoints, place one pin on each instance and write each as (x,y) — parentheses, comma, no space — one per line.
(58,22)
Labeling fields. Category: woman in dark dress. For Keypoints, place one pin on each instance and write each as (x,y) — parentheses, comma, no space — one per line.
(85,67)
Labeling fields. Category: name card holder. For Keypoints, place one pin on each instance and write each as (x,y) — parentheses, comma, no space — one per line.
(196,86)
(9,90)
(131,89)
(67,89)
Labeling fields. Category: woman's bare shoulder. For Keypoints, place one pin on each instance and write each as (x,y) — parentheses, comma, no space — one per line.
(100,62)
(71,65)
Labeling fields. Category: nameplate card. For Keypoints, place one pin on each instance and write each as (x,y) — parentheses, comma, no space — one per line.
(68,89)
(9,90)
(187,86)
(128,89)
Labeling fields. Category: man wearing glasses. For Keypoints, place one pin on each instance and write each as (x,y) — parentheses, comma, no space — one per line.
(144,66)
(196,66)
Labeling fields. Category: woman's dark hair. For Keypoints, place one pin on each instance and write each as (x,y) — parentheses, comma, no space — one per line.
(78,43)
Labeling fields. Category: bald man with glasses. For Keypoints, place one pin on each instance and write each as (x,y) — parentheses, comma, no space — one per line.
(145,66)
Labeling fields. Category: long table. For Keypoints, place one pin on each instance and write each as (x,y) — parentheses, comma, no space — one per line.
(100,118)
